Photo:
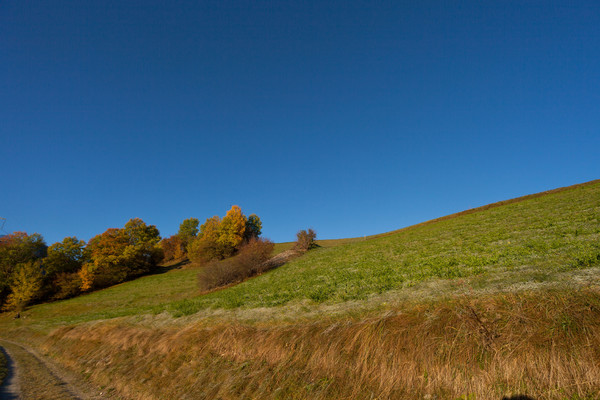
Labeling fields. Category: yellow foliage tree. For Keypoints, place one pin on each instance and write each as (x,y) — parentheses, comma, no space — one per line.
(231,232)
(205,246)
(86,275)
(26,285)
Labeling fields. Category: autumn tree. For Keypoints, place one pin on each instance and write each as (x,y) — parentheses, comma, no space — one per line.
(106,266)
(205,247)
(222,238)
(121,254)
(17,248)
(231,231)
(173,248)
(25,286)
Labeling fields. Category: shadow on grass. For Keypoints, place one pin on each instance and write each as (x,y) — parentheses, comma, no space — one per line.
(518,397)
(161,269)
(8,390)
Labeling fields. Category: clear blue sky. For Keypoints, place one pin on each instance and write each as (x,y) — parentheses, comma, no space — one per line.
(351,117)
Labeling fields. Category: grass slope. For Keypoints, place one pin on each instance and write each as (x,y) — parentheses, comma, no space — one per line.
(531,239)
(529,324)
(534,239)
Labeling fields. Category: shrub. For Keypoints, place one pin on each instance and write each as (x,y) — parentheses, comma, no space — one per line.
(251,260)
(306,240)
(203,250)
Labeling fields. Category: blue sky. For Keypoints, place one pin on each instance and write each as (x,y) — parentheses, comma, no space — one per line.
(351,117)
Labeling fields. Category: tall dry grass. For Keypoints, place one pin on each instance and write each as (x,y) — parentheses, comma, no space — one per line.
(545,345)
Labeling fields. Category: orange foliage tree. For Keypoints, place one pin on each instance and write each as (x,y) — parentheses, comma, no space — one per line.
(173,248)
(121,254)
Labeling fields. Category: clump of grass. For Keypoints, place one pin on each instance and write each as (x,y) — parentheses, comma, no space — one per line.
(541,344)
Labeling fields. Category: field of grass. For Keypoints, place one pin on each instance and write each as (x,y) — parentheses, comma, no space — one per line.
(545,345)
(492,301)
(533,240)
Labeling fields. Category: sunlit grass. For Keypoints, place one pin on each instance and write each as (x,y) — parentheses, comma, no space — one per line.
(477,305)
(541,236)
(533,239)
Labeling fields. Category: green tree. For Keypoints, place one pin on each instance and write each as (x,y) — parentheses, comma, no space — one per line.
(139,232)
(66,256)
(253,228)
(61,265)
(188,229)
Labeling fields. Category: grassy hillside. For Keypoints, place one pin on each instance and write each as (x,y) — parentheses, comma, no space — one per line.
(497,300)
(533,240)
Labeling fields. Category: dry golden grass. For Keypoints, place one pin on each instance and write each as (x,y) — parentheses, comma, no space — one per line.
(543,344)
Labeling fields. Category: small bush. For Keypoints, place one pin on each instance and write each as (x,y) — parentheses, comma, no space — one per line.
(251,260)
(202,250)
(306,240)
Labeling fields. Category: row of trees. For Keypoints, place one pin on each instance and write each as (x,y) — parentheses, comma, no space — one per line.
(32,271)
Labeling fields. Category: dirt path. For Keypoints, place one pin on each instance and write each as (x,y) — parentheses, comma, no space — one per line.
(9,390)
(33,377)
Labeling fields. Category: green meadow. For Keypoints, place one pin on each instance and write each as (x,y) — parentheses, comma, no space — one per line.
(535,240)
